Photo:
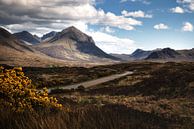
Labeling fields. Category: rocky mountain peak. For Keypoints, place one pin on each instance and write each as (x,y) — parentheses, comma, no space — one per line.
(74,34)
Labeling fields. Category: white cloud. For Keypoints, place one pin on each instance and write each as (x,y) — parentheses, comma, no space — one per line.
(31,27)
(113,44)
(110,19)
(110,43)
(105,41)
(39,30)
(107,29)
(42,16)
(136,14)
(143,1)
(189,3)
(177,10)
(59,10)
(187,26)
(122,1)
(161,26)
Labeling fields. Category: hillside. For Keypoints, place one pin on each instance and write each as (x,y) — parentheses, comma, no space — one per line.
(15,52)
(48,36)
(166,53)
(72,44)
(27,37)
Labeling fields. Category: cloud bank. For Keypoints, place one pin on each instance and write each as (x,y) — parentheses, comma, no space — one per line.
(42,16)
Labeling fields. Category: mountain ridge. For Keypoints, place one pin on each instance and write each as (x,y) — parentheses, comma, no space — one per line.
(165,54)
(14,52)
(71,43)
(27,37)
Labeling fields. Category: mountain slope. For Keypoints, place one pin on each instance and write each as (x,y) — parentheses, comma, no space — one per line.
(166,54)
(140,54)
(72,44)
(15,52)
(9,41)
(27,37)
(189,54)
(123,57)
(48,36)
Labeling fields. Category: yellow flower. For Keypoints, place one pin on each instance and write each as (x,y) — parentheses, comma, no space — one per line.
(21,93)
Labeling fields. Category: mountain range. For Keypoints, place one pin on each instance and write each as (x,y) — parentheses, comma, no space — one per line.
(68,47)
(165,54)
(72,47)
(72,44)
(15,52)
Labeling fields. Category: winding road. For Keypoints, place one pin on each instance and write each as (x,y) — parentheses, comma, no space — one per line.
(94,82)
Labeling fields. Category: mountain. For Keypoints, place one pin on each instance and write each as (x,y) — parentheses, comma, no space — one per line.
(27,37)
(123,57)
(48,36)
(7,40)
(166,54)
(37,38)
(15,52)
(189,54)
(72,44)
(140,54)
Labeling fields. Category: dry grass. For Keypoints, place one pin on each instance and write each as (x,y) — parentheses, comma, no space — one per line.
(90,117)
(156,96)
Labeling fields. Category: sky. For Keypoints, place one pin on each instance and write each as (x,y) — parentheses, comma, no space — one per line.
(117,26)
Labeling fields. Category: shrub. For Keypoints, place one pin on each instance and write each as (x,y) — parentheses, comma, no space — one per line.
(18,93)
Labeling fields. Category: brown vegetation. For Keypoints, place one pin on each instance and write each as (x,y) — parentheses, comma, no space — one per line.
(155,96)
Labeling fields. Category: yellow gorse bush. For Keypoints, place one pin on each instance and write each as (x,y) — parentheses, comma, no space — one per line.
(18,93)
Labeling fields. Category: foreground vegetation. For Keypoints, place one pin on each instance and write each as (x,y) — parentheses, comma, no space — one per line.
(155,96)
(18,94)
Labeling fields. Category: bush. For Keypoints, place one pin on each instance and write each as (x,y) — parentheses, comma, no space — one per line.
(18,94)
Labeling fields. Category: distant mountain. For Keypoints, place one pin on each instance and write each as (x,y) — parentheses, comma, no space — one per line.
(123,57)
(27,37)
(72,44)
(9,41)
(189,54)
(48,36)
(140,54)
(166,53)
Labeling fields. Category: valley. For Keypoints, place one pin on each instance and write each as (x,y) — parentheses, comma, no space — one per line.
(68,81)
(157,95)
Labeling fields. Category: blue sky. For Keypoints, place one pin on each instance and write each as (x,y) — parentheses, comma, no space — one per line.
(146,36)
(117,26)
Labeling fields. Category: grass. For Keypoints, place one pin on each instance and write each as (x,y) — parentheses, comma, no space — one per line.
(156,96)
(91,117)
